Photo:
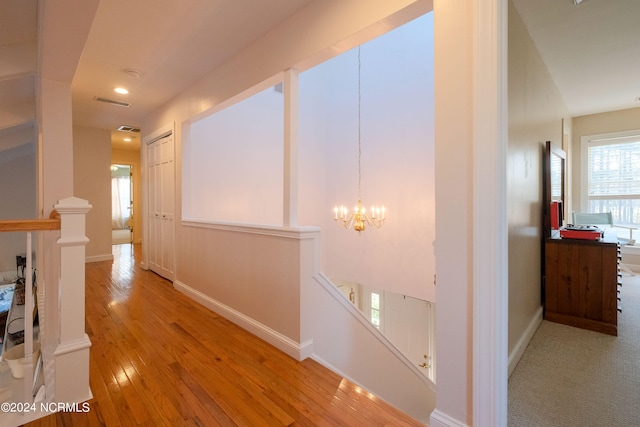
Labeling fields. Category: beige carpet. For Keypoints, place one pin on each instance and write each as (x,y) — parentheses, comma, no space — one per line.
(573,377)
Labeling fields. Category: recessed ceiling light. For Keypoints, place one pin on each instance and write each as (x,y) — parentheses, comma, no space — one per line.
(121,90)
(127,140)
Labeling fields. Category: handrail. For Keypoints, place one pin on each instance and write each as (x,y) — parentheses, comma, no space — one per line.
(51,223)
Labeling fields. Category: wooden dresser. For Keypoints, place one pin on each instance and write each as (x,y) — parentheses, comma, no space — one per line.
(582,280)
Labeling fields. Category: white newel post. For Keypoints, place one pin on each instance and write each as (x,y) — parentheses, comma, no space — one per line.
(72,352)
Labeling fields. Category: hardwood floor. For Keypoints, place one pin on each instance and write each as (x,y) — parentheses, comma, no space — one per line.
(160,359)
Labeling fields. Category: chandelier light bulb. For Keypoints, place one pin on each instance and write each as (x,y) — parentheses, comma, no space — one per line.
(359,219)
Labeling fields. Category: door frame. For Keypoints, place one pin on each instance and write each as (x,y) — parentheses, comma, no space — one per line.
(168,129)
(132,210)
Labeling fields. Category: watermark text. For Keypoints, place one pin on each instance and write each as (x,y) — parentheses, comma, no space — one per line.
(48,407)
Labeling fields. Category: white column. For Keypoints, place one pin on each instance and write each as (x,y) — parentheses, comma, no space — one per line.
(72,352)
(290,198)
(490,240)
(471,229)
(55,181)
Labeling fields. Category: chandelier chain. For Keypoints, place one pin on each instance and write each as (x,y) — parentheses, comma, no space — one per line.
(359,143)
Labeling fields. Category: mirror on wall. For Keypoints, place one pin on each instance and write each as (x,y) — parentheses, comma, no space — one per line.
(554,171)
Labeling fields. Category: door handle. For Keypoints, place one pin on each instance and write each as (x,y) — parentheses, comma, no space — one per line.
(426,364)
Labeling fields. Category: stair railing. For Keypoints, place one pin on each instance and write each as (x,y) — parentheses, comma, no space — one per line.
(64,344)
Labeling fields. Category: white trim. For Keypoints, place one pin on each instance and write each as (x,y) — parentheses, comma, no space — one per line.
(245,94)
(298,351)
(305,232)
(615,137)
(584,172)
(73,346)
(290,160)
(626,134)
(78,241)
(490,228)
(98,258)
(160,133)
(523,342)
(72,205)
(631,250)
(440,419)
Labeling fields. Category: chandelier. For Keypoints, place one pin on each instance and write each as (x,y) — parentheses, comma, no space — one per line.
(359,218)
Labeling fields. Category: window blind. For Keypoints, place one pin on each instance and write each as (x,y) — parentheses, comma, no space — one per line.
(614,178)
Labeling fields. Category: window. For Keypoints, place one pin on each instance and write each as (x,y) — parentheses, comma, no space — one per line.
(375,309)
(613,178)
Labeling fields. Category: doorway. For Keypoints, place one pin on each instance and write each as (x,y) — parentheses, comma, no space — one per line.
(121,204)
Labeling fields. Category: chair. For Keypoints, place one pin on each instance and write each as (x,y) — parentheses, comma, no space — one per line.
(605,219)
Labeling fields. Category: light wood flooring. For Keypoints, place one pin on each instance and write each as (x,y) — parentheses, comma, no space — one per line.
(160,359)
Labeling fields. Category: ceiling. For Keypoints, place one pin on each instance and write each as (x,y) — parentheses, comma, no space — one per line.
(170,44)
(592,51)
(157,48)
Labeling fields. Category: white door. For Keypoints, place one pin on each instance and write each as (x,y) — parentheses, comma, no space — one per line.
(407,323)
(161,205)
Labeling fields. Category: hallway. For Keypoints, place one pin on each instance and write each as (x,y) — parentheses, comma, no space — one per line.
(160,359)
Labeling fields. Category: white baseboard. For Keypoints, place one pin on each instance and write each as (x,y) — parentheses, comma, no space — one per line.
(518,350)
(630,268)
(440,419)
(97,258)
(298,351)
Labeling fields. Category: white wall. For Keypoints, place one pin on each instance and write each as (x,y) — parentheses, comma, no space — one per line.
(92,182)
(536,113)
(397,159)
(233,172)
(256,274)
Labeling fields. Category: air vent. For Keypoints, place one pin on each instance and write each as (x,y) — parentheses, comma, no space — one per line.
(125,128)
(111,101)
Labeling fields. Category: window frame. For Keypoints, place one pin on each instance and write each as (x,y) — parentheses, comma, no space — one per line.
(601,139)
